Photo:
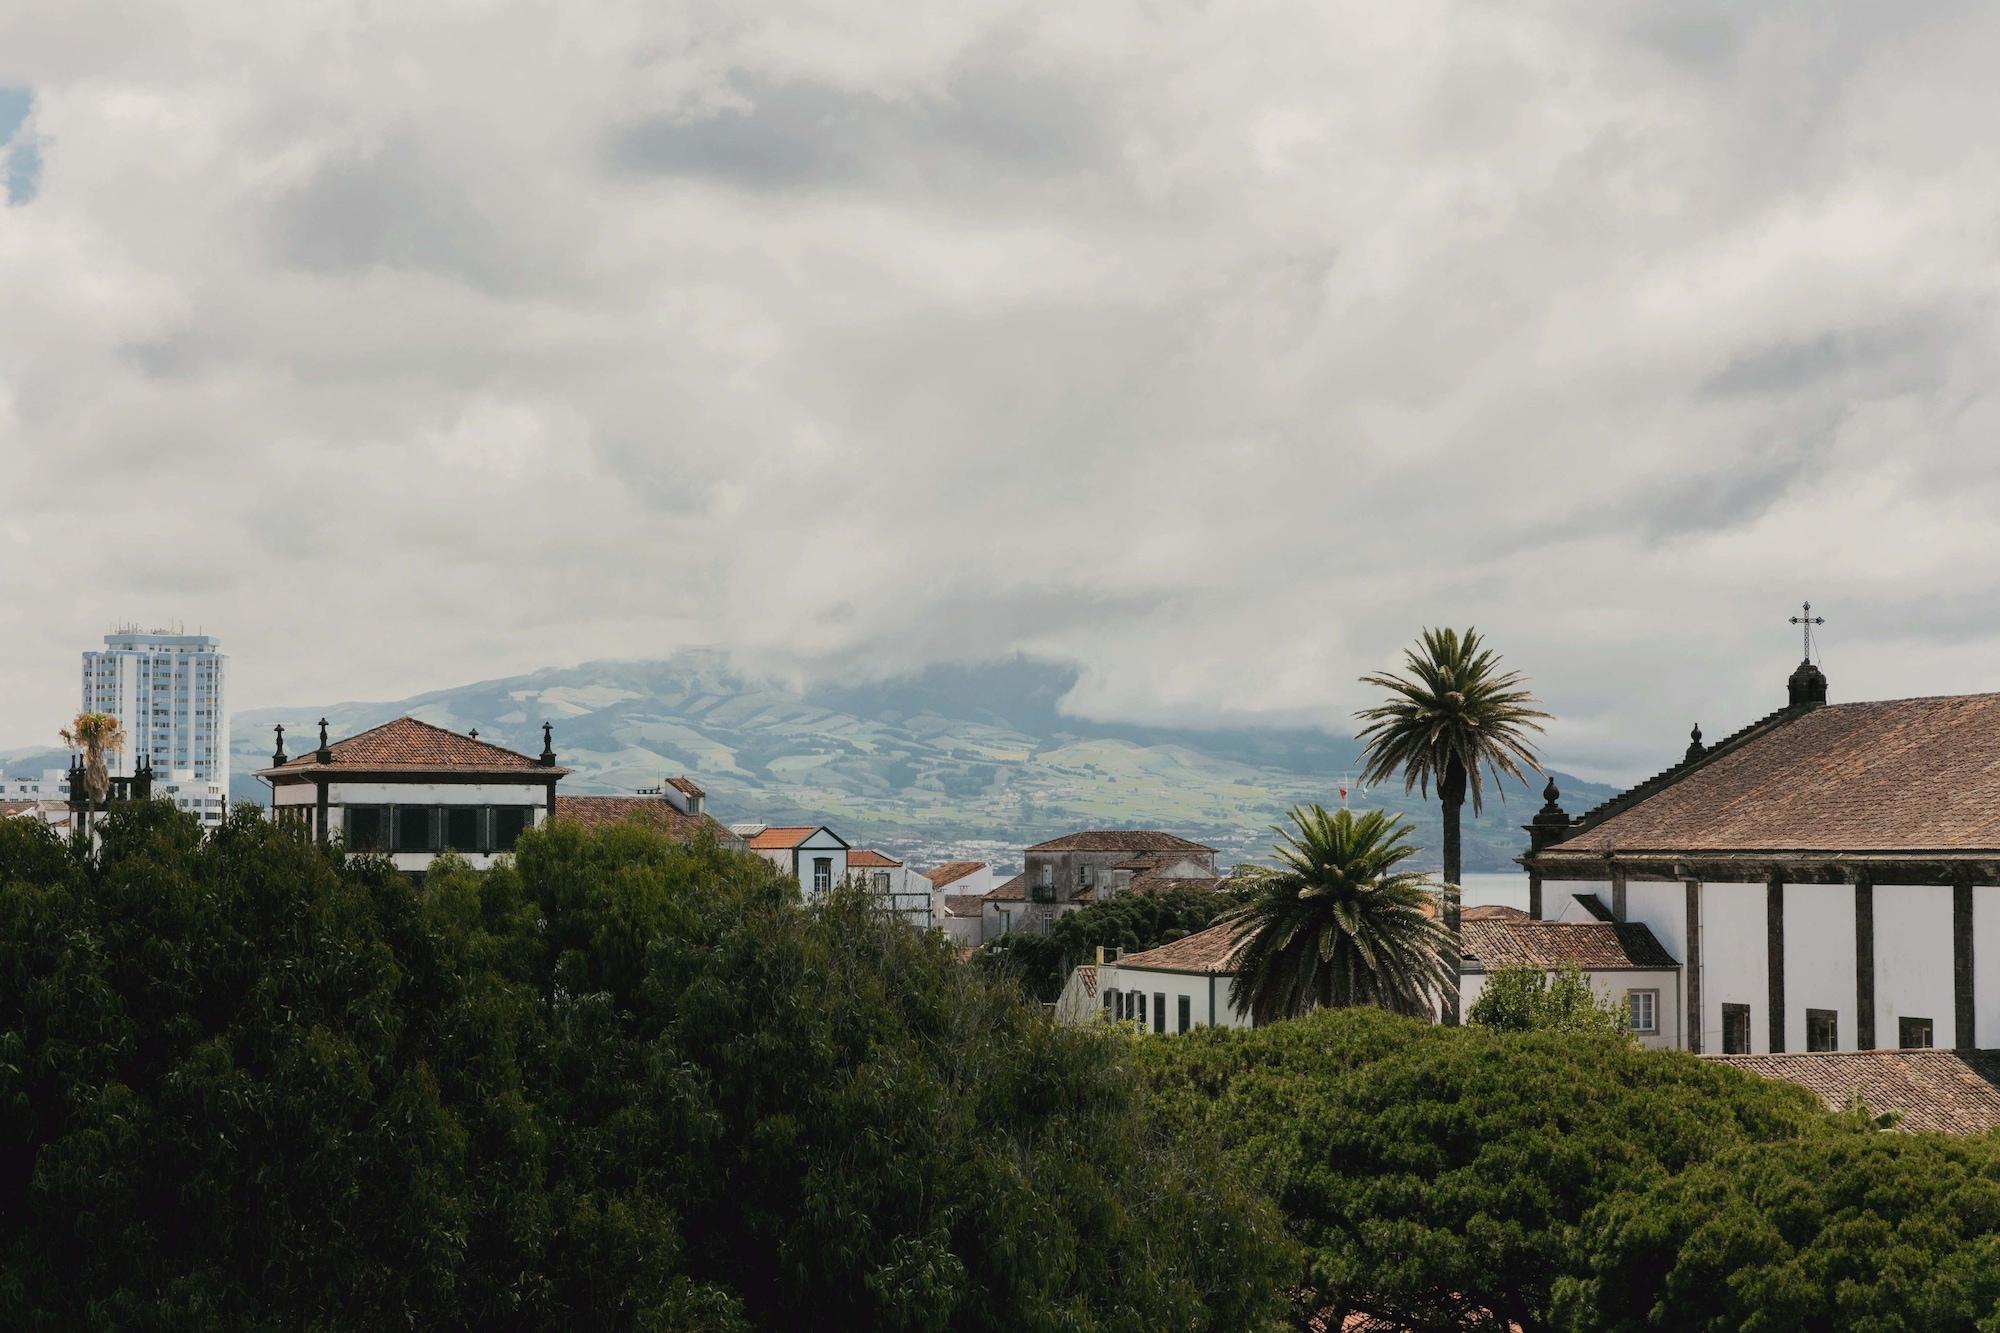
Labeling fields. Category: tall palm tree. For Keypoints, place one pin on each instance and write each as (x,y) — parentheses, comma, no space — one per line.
(96,735)
(1455,716)
(1337,924)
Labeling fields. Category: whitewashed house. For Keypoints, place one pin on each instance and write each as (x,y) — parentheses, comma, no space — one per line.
(901,889)
(1172,988)
(1828,877)
(1622,963)
(410,790)
(813,855)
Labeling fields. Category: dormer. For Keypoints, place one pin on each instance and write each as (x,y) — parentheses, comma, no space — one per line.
(684,795)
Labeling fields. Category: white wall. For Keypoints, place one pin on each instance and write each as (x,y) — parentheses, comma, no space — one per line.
(1174,985)
(1913,974)
(1985,968)
(1611,986)
(1733,971)
(1819,962)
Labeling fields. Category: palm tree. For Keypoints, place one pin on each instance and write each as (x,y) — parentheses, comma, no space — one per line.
(1337,924)
(1455,716)
(97,735)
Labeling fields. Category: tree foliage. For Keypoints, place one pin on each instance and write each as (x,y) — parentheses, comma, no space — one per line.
(1527,999)
(1337,924)
(1452,718)
(1125,921)
(1439,1176)
(1852,1229)
(621,1083)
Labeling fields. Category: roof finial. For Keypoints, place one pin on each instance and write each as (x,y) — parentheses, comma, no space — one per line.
(548,746)
(1549,794)
(1806,620)
(473,734)
(1695,748)
(325,755)
(278,755)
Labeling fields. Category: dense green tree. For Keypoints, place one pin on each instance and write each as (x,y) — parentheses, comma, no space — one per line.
(1455,717)
(1527,999)
(1852,1229)
(621,1083)
(1125,921)
(1335,923)
(1437,1177)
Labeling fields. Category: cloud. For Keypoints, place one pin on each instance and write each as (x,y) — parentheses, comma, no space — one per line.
(1216,350)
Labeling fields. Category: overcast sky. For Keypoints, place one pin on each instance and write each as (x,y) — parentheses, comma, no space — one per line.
(1217,347)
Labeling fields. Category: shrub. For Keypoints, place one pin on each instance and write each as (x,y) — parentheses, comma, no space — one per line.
(1438,1176)
(1850,1229)
(1128,922)
(1527,999)
(621,1083)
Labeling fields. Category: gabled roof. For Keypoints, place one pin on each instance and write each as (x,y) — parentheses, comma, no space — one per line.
(864,858)
(1014,890)
(407,745)
(1907,776)
(1942,1092)
(686,787)
(1172,883)
(783,837)
(603,811)
(1211,951)
(10,808)
(1492,941)
(963,904)
(951,872)
(1120,840)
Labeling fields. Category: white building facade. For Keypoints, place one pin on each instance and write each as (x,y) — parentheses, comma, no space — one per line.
(169,691)
(411,791)
(1828,877)
(206,801)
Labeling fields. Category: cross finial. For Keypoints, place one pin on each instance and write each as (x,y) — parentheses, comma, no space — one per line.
(1806,620)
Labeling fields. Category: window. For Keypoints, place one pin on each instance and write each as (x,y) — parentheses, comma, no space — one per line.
(1111,1003)
(822,873)
(509,822)
(461,828)
(1736,1029)
(1643,1008)
(1045,884)
(1159,1012)
(366,828)
(1913,1034)
(1139,1006)
(880,879)
(1187,1007)
(413,828)
(1822,1030)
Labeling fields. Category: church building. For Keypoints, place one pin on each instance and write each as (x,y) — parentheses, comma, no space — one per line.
(1828,878)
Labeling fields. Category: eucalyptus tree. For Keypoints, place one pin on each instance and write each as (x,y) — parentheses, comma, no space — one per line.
(1452,718)
(1337,924)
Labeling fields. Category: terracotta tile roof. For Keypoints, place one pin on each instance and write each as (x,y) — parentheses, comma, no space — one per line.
(1014,890)
(1120,840)
(963,904)
(1493,912)
(1898,775)
(863,858)
(779,838)
(1509,942)
(1167,884)
(686,787)
(11,808)
(1212,950)
(409,745)
(951,872)
(600,811)
(1943,1092)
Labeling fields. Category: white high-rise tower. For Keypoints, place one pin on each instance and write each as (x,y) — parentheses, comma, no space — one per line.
(167,690)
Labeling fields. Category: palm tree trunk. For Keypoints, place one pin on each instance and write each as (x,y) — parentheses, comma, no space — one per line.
(1452,792)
